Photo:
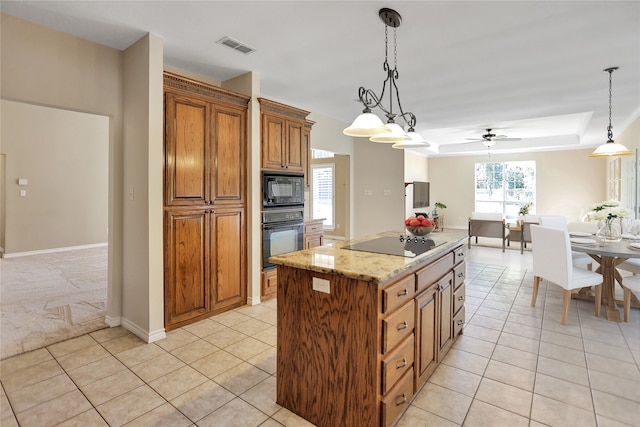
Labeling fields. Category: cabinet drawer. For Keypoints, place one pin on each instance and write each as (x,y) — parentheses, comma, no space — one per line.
(458,299)
(458,275)
(399,293)
(458,322)
(459,253)
(397,363)
(397,326)
(432,273)
(397,400)
(313,227)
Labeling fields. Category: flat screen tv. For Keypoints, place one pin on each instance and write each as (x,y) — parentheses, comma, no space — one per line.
(420,194)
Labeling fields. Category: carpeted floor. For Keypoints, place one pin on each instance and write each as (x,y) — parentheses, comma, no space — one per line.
(49,298)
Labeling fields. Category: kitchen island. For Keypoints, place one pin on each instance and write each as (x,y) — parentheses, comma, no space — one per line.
(359,330)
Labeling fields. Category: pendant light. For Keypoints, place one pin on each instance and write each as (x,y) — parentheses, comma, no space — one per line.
(367,123)
(610,148)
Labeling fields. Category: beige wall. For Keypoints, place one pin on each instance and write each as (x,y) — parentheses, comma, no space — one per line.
(566,182)
(143,165)
(377,169)
(50,68)
(64,155)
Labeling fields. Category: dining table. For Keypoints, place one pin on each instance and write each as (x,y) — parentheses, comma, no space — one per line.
(608,255)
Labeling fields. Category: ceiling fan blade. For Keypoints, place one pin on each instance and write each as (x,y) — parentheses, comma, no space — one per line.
(474,139)
(507,139)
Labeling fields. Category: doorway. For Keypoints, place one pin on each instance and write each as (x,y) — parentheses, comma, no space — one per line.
(54,219)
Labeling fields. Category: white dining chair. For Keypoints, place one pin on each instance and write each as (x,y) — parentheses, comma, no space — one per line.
(560,222)
(629,284)
(552,262)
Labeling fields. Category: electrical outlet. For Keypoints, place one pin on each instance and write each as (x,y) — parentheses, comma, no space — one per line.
(321,285)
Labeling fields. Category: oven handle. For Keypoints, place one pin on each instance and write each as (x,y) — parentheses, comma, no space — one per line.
(272,225)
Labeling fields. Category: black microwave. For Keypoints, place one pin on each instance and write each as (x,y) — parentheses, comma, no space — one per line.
(282,189)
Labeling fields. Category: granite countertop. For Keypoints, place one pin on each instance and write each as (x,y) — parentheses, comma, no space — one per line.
(366,266)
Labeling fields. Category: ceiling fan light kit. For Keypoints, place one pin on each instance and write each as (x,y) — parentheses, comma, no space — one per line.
(365,125)
(610,148)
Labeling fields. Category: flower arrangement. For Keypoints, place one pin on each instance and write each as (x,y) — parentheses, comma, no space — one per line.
(607,212)
(440,205)
(524,209)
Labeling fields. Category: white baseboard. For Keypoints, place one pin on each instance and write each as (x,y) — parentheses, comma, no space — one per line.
(147,337)
(253,300)
(112,322)
(53,250)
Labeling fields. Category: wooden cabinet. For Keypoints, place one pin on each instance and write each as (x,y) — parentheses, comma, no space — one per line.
(269,283)
(366,347)
(313,233)
(306,152)
(436,307)
(283,137)
(205,200)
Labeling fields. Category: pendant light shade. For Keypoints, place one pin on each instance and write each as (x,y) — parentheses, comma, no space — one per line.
(416,141)
(610,148)
(366,124)
(396,134)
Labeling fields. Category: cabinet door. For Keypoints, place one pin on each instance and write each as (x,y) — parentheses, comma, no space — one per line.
(445,300)
(273,139)
(228,259)
(186,283)
(228,168)
(426,345)
(186,180)
(294,146)
(306,156)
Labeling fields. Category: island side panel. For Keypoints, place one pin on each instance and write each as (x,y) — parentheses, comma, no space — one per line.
(327,349)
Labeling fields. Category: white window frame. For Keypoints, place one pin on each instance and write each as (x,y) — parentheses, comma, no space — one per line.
(509,206)
(329,223)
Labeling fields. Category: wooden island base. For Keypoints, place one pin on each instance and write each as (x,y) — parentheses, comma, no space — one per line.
(354,347)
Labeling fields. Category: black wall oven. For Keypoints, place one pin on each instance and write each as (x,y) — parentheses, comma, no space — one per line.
(282,232)
(282,189)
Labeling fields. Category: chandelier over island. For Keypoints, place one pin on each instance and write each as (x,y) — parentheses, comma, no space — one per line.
(368,124)
(610,148)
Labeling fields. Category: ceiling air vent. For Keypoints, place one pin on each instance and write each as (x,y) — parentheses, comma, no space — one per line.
(235,44)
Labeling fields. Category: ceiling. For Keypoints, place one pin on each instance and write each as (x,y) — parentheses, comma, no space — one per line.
(527,69)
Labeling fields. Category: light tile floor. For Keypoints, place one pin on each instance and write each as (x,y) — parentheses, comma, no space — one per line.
(515,365)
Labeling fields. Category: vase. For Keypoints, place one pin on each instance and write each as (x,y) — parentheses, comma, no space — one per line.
(609,232)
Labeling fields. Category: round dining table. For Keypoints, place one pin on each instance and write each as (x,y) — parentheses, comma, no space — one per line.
(608,256)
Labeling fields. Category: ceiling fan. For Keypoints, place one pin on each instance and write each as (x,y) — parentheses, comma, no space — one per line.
(489,138)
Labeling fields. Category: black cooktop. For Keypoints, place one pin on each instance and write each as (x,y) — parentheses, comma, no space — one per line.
(406,246)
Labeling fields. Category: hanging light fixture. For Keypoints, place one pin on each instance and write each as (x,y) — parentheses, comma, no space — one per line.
(610,148)
(367,123)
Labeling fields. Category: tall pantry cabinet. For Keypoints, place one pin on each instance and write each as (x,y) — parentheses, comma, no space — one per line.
(205,235)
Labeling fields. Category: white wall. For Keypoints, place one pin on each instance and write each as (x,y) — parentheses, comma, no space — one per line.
(566,182)
(64,155)
(415,169)
(378,188)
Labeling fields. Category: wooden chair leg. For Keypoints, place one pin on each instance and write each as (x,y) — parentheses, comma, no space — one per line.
(565,305)
(627,304)
(590,267)
(536,282)
(598,299)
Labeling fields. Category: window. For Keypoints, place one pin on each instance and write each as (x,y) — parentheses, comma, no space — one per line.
(505,187)
(323,193)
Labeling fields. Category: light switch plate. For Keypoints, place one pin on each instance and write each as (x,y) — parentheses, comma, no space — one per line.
(321,285)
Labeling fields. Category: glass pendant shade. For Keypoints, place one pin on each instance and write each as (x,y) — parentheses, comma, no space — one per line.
(416,141)
(609,149)
(366,124)
(397,135)
(488,143)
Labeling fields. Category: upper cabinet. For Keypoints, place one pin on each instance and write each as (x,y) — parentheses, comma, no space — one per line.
(205,137)
(284,142)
